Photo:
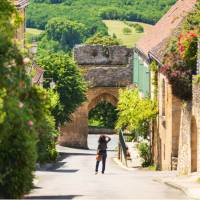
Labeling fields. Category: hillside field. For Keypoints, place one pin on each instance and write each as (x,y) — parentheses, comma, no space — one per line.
(116,27)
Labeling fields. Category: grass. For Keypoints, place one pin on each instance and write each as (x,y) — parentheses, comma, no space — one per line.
(33,31)
(31,35)
(116,27)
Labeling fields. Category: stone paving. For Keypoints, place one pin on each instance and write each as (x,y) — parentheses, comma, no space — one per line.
(73,177)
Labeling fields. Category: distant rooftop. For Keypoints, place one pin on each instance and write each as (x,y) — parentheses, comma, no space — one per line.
(21,3)
(156,39)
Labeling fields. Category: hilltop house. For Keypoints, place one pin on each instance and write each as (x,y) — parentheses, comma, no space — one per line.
(21,5)
(165,130)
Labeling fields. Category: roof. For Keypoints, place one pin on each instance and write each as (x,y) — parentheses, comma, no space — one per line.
(21,3)
(38,76)
(156,39)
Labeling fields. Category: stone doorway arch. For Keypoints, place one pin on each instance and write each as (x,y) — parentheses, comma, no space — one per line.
(193,145)
(106,69)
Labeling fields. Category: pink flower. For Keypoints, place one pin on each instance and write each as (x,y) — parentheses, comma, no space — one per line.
(30,123)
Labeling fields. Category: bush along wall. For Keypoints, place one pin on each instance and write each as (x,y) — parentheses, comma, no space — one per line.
(180,61)
(23,111)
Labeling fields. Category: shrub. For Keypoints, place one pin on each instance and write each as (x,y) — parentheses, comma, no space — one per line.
(22,109)
(127,30)
(17,150)
(135,113)
(45,124)
(145,153)
(139,28)
(69,84)
(103,39)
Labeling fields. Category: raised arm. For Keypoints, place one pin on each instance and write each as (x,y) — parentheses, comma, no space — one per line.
(108,139)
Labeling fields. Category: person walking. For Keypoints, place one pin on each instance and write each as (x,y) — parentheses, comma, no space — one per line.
(102,152)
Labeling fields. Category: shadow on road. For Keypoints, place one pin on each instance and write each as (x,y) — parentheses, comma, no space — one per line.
(54,197)
(57,166)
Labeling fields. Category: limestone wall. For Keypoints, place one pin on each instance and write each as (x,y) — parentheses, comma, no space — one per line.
(102,55)
(167,138)
(75,133)
(106,69)
(105,66)
(184,159)
(108,77)
(195,141)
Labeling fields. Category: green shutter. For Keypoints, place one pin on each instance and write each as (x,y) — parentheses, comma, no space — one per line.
(141,75)
(147,85)
(135,69)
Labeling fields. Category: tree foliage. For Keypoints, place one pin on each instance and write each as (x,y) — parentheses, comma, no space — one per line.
(62,34)
(22,110)
(91,12)
(135,113)
(70,84)
(104,115)
(104,40)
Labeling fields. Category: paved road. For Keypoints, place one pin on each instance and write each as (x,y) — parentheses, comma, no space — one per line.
(73,178)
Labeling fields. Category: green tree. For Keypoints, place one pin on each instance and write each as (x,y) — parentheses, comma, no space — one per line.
(65,32)
(17,138)
(70,84)
(22,108)
(127,30)
(105,114)
(135,113)
(101,39)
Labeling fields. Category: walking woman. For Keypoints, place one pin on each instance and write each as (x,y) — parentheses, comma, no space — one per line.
(102,152)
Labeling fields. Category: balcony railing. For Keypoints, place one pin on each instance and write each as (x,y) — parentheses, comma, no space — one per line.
(21,3)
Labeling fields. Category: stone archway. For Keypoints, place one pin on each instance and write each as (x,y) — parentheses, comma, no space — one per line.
(97,95)
(193,145)
(106,69)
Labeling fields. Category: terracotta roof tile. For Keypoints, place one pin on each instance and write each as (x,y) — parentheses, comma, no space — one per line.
(37,79)
(155,40)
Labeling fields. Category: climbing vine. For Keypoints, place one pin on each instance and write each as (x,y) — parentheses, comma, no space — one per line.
(180,60)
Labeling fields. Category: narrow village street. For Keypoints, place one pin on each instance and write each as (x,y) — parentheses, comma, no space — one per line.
(73,177)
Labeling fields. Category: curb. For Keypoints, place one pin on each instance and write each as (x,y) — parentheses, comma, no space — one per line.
(119,163)
(174,185)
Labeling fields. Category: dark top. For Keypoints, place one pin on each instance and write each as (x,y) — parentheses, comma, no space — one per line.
(103,146)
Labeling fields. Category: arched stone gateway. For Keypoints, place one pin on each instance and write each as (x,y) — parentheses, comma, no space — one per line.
(106,69)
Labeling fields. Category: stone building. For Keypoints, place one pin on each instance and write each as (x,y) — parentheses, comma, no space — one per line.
(106,69)
(166,129)
(21,7)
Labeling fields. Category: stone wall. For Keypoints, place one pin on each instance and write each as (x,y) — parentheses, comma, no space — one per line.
(166,137)
(195,140)
(184,156)
(106,69)
(75,133)
(105,66)
(104,76)
(102,55)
